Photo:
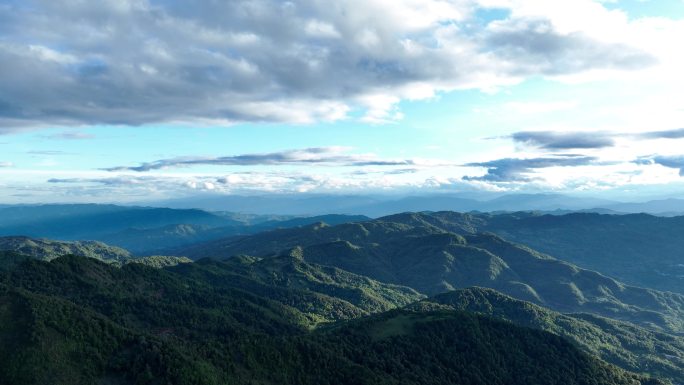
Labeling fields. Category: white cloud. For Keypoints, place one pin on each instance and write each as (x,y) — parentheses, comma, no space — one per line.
(136,62)
(315,156)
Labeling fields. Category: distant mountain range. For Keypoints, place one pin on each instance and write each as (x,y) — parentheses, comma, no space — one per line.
(641,250)
(378,205)
(142,230)
(91,221)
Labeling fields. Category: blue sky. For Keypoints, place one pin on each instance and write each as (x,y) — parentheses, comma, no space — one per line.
(140,100)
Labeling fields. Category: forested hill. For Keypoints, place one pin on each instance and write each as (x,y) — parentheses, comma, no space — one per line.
(46,249)
(413,251)
(640,249)
(76,320)
(624,344)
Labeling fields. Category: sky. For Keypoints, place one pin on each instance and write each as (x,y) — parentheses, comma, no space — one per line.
(143,100)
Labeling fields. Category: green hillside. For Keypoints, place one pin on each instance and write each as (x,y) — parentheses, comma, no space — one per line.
(626,345)
(639,249)
(415,250)
(321,293)
(76,320)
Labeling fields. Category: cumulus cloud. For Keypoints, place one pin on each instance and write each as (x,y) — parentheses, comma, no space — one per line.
(136,62)
(308,156)
(553,140)
(519,169)
(6,164)
(534,46)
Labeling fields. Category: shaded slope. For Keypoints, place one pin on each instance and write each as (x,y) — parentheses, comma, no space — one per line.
(321,293)
(626,345)
(640,249)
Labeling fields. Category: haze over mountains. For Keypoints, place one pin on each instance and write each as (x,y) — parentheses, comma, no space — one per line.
(380,205)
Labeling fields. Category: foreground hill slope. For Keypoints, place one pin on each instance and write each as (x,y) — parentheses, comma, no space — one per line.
(413,250)
(96,323)
(623,344)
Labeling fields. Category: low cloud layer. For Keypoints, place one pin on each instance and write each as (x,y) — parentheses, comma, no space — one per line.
(666,134)
(331,156)
(134,62)
(519,170)
(552,140)
(586,140)
(6,164)
(240,183)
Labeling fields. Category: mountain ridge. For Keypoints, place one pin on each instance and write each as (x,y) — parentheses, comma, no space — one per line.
(417,253)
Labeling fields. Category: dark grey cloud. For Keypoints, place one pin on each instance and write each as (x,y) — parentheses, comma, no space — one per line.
(569,140)
(306,156)
(666,134)
(136,62)
(670,161)
(517,169)
(552,140)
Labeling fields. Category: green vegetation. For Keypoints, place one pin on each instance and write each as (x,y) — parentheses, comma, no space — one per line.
(159,261)
(47,250)
(321,293)
(77,320)
(623,344)
(640,249)
(329,304)
(419,251)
